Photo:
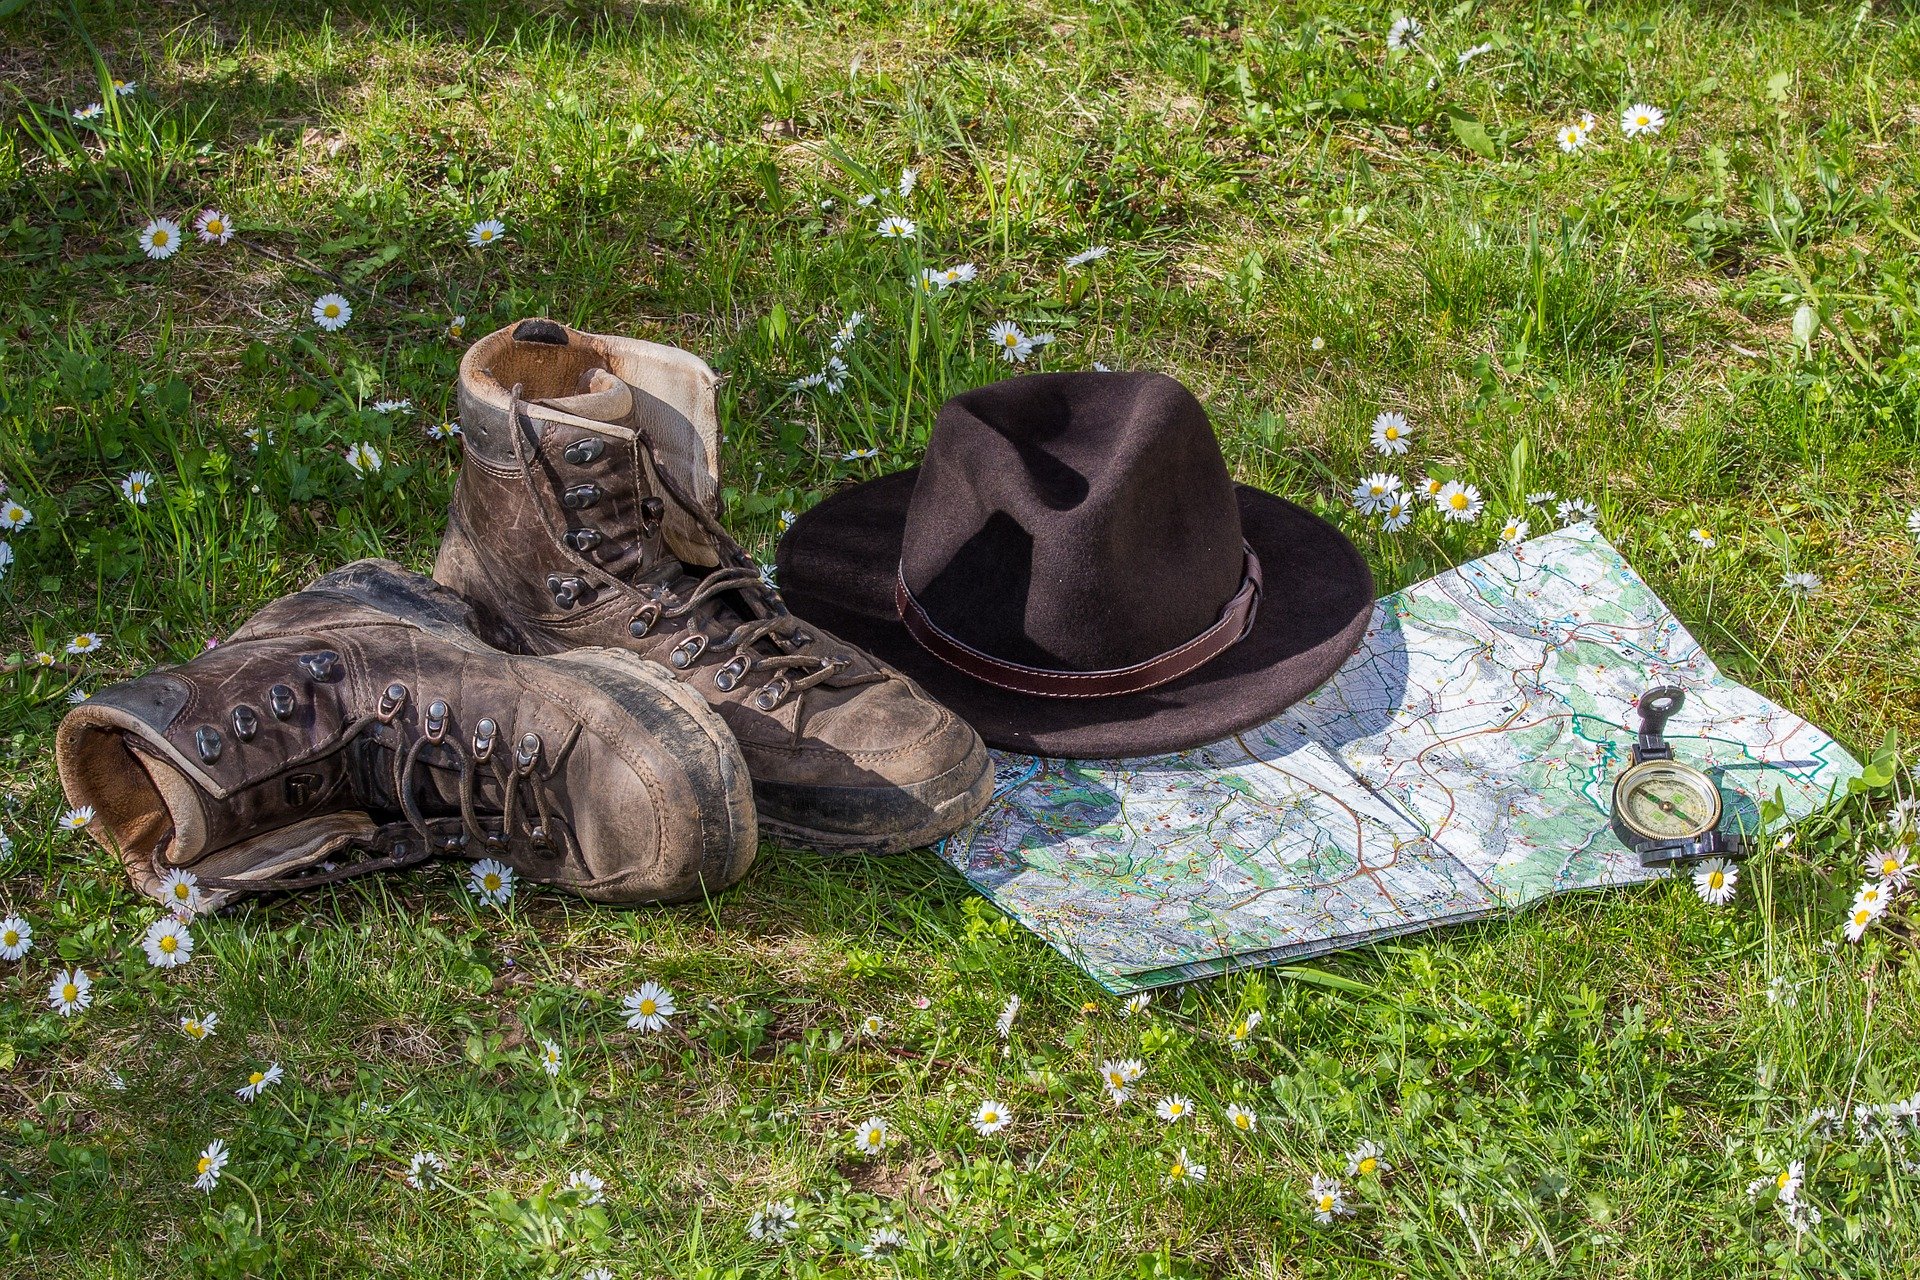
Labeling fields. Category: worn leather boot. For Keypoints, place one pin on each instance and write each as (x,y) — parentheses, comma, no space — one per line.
(363,721)
(586,514)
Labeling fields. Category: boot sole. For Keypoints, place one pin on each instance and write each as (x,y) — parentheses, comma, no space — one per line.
(897,818)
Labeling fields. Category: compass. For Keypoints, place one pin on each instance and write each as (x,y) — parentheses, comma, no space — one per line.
(1665,810)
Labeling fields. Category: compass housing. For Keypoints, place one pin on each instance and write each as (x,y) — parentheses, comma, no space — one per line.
(1659,801)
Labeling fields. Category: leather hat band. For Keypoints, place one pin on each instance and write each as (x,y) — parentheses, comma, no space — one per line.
(1236,619)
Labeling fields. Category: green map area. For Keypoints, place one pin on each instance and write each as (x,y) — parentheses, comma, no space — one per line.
(1461,763)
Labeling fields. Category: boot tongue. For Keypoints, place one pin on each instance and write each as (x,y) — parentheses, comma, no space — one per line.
(602,398)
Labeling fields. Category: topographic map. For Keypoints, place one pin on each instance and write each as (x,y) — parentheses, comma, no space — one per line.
(1461,763)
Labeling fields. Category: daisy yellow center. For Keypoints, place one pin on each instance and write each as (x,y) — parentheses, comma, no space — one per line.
(181,892)
(1392,433)
(1889,865)
(10,938)
(1786,1176)
(486,234)
(1115,1079)
(1176,1109)
(1433,486)
(331,310)
(1862,916)
(256,1077)
(1642,119)
(1458,502)
(1326,1204)
(1242,1122)
(491,881)
(1716,879)
(216,226)
(206,1163)
(1178,1171)
(1011,339)
(873,1137)
(1369,1164)
(169,944)
(648,1006)
(989,1117)
(160,235)
(69,992)
(1511,532)
(195,1030)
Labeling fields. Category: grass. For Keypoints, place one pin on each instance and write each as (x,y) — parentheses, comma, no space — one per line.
(1712,327)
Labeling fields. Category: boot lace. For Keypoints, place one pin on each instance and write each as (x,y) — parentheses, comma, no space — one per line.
(772,644)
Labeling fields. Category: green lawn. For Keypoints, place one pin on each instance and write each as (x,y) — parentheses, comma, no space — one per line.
(1714,326)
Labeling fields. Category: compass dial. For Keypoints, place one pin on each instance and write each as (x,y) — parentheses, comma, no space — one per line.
(1666,800)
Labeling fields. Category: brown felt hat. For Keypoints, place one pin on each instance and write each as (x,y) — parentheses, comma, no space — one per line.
(1073,571)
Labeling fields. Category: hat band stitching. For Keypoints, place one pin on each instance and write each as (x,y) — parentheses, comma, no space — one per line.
(1235,621)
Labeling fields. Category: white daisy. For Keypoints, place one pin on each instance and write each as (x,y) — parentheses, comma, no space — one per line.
(1874,896)
(991,1118)
(1640,118)
(1541,498)
(1390,432)
(1575,510)
(491,881)
(77,696)
(1174,1108)
(1243,1030)
(872,1025)
(92,111)
(1092,254)
(1859,918)
(168,943)
(834,375)
(331,312)
(1403,32)
(212,227)
(1318,344)
(1802,586)
(364,458)
(6,558)
(909,178)
(1397,514)
(14,516)
(77,818)
(424,1169)
(1780,991)
(859,455)
(457,327)
(1118,1075)
(85,642)
(199,1028)
(258,1082)
(1572,137)
(871,1137)
(1008,1012)
(16,938)
(550,1057)
(843,336)
(1714,880)
(124,88)
(134,487)
(866,201)
(1787,1183)
(160,238)
(1328,1199)
(1365,1160)
(1890,866)
(1703,537)
(1243,1120)
(1013,345)
(486,232)
(206,1171)
(1375,492)
(392,406)
(883,1243)
(70,991)
(444,431)
(1513,532)
(1185,1169)
(1461,59)
(1136,1003)
(895,227)
(1913,522)
(787,518)
(958,273)
(591,1186)
(772,1221)
(1459,502)
(649,1008)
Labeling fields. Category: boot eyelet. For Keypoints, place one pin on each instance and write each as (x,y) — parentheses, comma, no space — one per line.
(583,540)
(729,673)
(483,739)
(652,511)
(280,701)
(687,651)
(581,496)
(582,452)
(770,697)
(392,699)
(527,752)
(643,620)
(207,741)
(246,723)
(436,725)
(320,667)
(566,590)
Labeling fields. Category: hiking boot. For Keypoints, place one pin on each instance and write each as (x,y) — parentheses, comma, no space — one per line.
(363,720)
(586,514)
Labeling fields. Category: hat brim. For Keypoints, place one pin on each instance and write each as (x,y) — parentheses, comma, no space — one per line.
(837,566)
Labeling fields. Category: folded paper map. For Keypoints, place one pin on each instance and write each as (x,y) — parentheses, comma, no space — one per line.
(1460,764)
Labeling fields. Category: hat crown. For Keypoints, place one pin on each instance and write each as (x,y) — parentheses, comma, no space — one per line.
(1074,521)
